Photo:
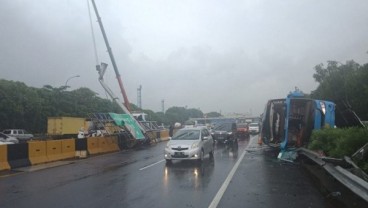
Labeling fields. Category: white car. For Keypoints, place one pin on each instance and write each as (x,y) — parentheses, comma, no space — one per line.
(20,134)
(5,139)
(189,144)
(254,128)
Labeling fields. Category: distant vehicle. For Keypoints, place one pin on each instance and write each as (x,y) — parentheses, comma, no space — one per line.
(242,130)
(5,139)
(189,144)
(225,133)
(20,134)
(189,124)
(254,128)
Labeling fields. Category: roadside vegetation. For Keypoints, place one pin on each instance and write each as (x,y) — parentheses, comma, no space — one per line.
(342,83)
(346,83)
(337,143)
(28,107)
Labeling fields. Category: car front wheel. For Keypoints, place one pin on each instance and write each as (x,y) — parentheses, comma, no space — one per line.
(201,156)
(211,153)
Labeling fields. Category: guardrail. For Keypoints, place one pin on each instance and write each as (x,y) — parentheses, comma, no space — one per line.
(348,180)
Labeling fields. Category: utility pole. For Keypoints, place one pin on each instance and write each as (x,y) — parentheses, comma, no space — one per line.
(139,96)
(163,105)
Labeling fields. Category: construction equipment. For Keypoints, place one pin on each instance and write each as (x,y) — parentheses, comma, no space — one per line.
(118,77)
(130,122)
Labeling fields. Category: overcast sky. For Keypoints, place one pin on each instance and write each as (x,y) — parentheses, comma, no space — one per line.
(224,56)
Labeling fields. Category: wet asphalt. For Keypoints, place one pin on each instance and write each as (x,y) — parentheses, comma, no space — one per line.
(140,178)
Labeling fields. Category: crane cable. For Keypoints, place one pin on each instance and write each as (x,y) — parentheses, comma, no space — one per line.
(94,39)
(93,33)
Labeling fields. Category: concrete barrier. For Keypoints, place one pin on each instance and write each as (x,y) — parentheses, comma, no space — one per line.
(92,145)
(53,150)
(111,144)
(68,148)
(102,144)
(4,165)
(164,135)
(18,155)
(37,152)
(114,144)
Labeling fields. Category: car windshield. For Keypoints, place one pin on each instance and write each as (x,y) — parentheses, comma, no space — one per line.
(253,125)
(223,127)
(186,134)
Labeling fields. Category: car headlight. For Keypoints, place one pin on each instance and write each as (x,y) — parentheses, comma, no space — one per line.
(229,133)
(195,145)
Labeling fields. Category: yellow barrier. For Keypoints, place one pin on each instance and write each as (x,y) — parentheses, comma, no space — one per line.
(4,165)
(108,144)
(37,152)
(114,144)
(67,148)
(92,145)
(102,144)
(164,134)
(53,150)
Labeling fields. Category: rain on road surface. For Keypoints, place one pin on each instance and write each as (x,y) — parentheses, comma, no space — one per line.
(140,178)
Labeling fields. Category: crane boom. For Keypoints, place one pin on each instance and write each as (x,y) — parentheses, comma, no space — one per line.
(118,77)
(101,70)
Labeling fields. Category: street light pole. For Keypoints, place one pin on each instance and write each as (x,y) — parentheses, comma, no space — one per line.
(66,83)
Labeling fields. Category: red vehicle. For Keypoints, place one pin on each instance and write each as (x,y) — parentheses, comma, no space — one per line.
(242,130)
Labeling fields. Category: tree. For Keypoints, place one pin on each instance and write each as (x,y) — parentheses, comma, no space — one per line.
(28,108)
(213,115)
(343,82)
(181,114)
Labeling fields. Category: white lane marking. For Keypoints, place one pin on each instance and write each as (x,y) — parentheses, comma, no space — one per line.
(148,166)
(221,191)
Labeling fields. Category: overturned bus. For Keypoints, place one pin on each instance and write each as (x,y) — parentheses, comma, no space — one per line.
(289,122)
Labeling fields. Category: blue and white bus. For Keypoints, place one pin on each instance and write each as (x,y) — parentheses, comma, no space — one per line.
(289,122)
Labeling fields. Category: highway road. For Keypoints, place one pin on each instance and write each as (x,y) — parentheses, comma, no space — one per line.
(246,175)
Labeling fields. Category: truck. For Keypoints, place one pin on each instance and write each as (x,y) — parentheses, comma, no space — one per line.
(59,126)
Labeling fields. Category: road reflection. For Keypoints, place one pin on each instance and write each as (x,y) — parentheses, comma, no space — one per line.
(189,174)
(227,151)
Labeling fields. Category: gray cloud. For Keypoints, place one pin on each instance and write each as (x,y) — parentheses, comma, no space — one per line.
(213,55)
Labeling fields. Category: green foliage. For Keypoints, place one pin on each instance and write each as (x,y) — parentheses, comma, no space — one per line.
(346,82)
(176,114)
(338,142)
(28,108)
(161,118)
(181,114)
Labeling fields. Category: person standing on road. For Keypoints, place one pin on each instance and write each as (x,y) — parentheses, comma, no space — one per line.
(171,130)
